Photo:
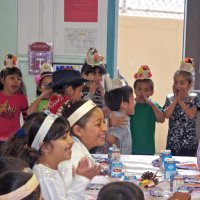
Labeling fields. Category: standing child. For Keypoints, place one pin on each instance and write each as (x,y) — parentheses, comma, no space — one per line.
(93,69)
(42,93)
(181,110)
(120,100)
(13,100)
(66,85)
(147,113)
(49,143)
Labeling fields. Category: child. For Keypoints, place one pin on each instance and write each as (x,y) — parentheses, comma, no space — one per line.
(88,130)
(49,143)
(93,69)
(120,99)
(12,98)
(120,191)
(181,110)
(42,93)
(147,113)
(66,85)
(19,186)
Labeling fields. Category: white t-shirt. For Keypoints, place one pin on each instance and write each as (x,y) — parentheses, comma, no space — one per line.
(53,186)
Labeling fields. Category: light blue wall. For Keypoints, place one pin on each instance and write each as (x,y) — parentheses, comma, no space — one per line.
(9,41)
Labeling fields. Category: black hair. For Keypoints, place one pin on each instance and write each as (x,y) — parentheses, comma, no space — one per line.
(11,163)
(121,191)
(70,108)
(11,181)
(10,71)
(61,89)
(15,144)
(114,98)
(42,75)
(87,69)
(146,80)
(187,75)
(59,127)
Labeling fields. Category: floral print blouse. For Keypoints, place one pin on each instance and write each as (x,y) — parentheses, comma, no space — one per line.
(182,132)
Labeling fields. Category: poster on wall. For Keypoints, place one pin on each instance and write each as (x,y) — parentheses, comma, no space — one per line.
(39,53)
(78,40)
(80,10)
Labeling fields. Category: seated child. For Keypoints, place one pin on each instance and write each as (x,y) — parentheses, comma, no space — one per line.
(147,113)
(88,130)
(66,85)
(120,191)
(42,93)
(16,185)
(48,143)
(119,99)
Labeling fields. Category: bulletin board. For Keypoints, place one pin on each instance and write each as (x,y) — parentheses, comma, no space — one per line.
(54,21)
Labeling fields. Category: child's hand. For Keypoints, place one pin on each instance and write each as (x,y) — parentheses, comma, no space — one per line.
(93,87)
(84,169)
(175,91)
(46,94)
(101,89)
(182,95)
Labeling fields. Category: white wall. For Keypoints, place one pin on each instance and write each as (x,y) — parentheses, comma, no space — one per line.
(158,43)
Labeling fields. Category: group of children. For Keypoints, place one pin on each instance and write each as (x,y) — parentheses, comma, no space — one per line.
(65,123)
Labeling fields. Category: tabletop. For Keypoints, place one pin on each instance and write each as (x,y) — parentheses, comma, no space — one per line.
(136,165)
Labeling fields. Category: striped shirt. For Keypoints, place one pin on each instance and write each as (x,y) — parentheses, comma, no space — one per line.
(123,134)
(96,98)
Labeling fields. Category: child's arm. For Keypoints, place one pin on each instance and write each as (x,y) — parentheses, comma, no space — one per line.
(190,112)
(160,117)
(168,111)
(34,105)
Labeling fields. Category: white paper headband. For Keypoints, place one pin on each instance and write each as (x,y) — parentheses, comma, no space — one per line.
(23,191)
(46,125)
(80,112)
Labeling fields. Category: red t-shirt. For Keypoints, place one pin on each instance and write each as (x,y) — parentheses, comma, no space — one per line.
(10,109)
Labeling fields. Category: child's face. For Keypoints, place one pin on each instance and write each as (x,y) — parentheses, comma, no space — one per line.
(142,90)
(12,84)
(45,81)
(98,77)
(129,107)
(94,132)
(180,82)
(61,149)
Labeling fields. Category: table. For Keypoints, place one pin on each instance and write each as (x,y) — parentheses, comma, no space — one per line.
(137,165)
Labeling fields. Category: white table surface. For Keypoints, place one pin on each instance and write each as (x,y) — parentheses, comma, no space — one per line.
(137,165)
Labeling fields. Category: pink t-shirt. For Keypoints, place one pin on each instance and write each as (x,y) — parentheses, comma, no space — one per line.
(10,109)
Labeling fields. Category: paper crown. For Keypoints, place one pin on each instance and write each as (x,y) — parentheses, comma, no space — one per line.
(10,61)
(44,68)
(93,58)
(143,72)
(112,84)
(187,65)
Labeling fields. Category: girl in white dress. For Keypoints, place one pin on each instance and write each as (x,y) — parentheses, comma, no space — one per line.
(49,143)
(88,129)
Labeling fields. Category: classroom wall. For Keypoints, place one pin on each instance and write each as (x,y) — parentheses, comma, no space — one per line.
(158,43)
